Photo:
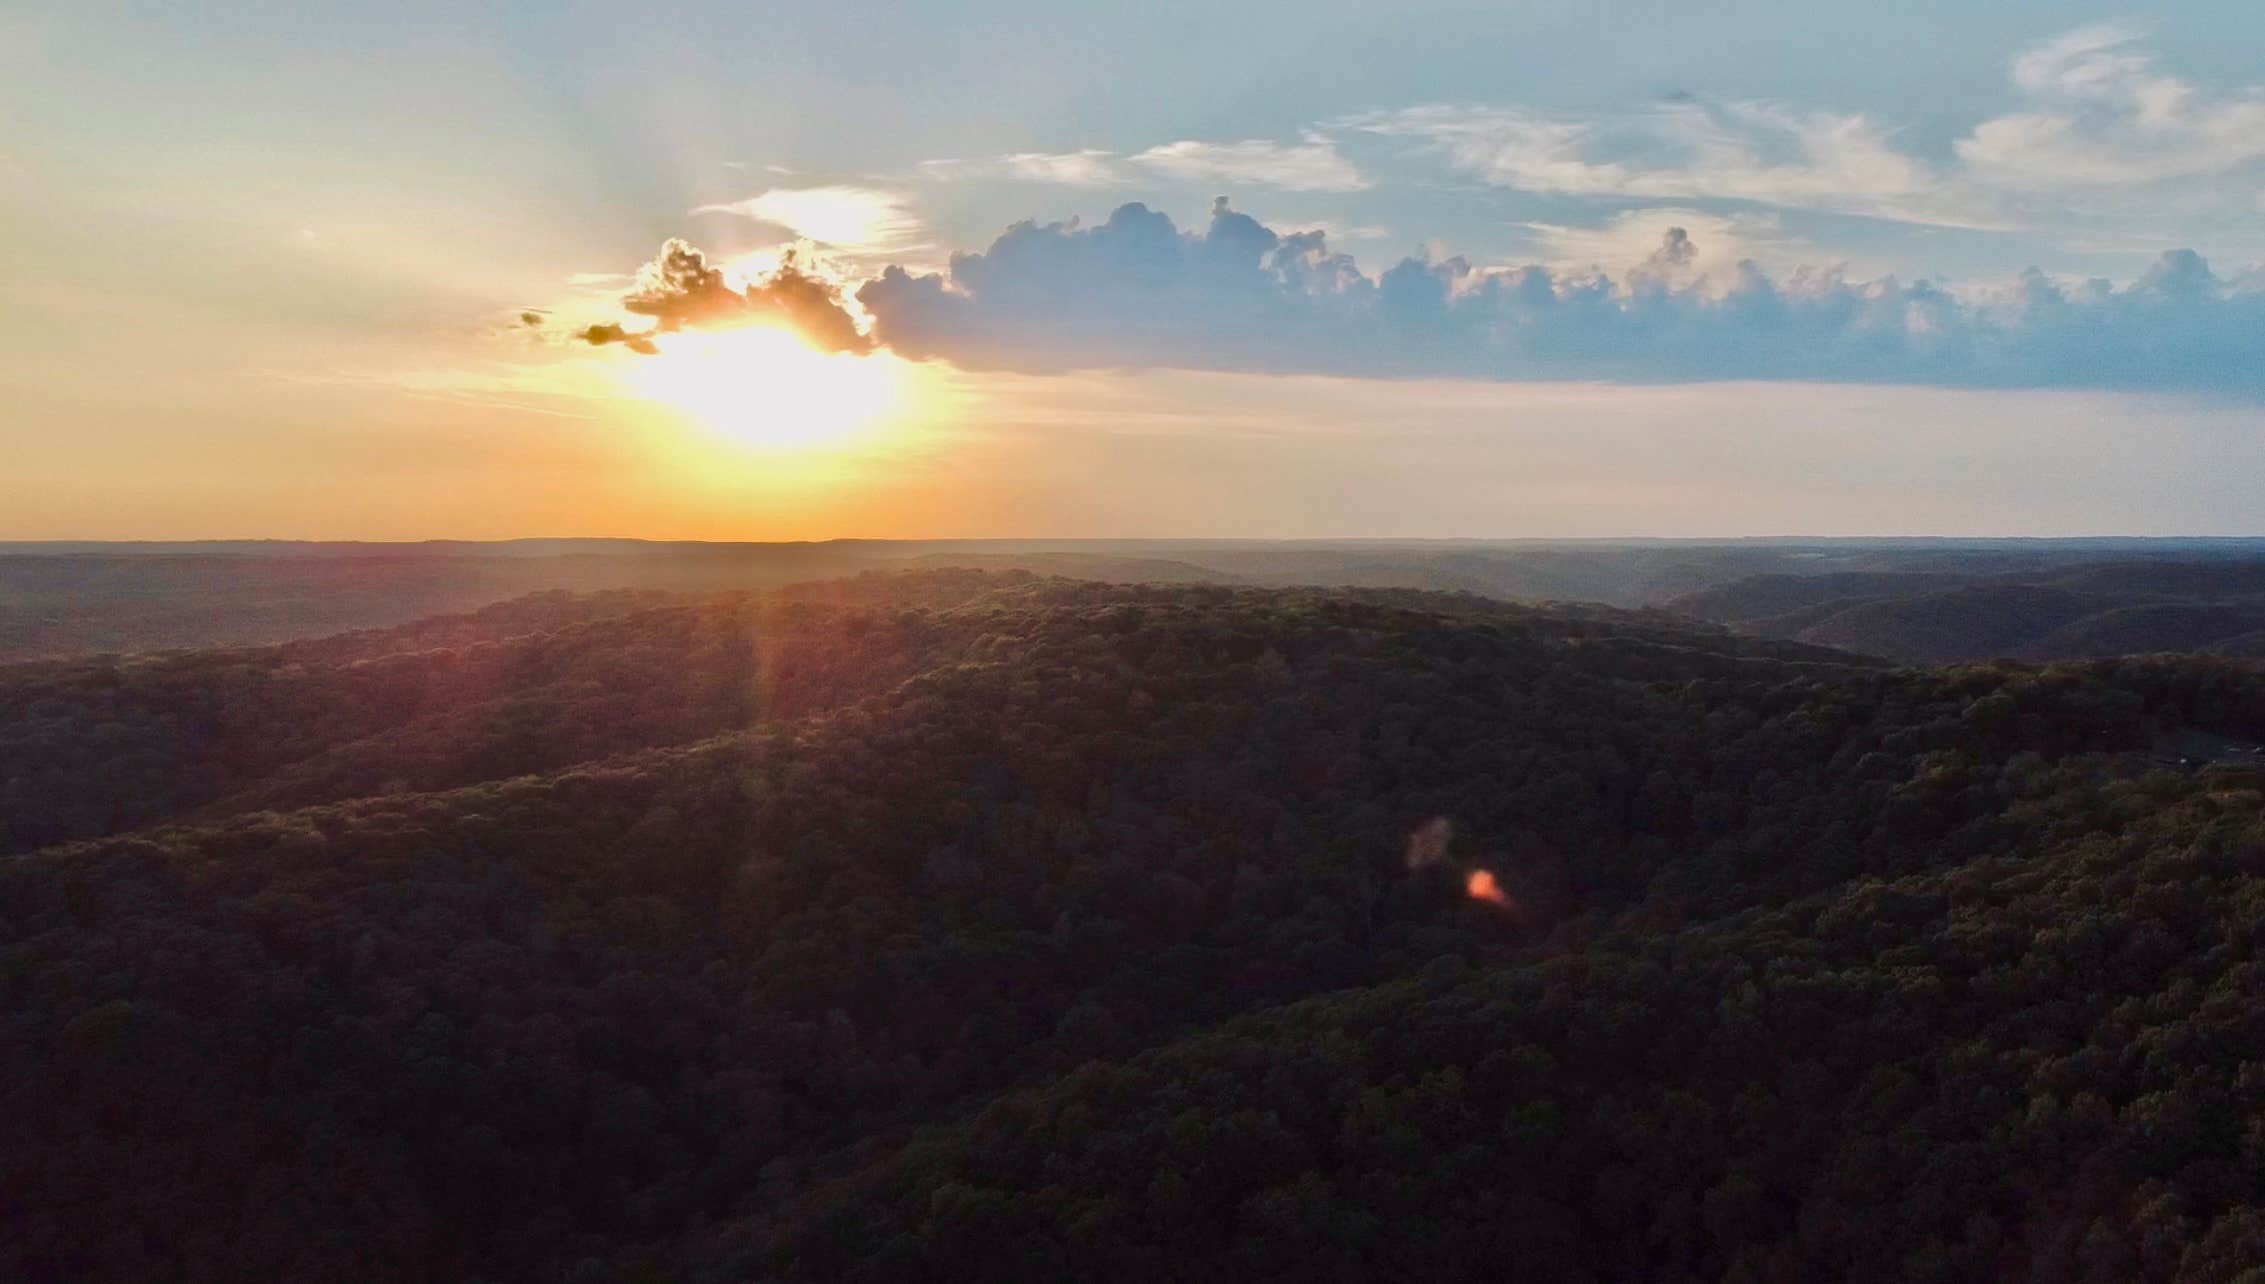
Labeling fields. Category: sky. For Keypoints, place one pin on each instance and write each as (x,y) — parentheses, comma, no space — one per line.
(757,271)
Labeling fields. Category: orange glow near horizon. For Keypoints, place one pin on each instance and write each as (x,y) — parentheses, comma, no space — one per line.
(1480,886)
(762,386)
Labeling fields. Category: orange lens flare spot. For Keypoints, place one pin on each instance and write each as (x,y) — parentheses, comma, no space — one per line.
(1480,886)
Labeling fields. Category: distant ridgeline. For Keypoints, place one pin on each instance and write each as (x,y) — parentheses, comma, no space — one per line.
(1909,599)
(953,925)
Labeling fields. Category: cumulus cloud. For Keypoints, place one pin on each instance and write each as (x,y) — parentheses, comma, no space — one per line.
(1121,293)
(1137,291)
(1715,243)
(681,290)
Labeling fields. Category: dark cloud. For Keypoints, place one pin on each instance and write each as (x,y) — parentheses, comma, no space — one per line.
(1675,250)
(1138,291)
(635,341)
(680,290)
(810,304)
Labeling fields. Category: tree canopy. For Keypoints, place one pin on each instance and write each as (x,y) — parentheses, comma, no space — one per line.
(949,926)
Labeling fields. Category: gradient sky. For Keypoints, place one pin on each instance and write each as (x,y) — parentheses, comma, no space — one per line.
(306,270)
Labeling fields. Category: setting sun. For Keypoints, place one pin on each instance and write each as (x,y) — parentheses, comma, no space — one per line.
(763,386)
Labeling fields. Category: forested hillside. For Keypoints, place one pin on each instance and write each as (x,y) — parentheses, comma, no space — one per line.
(955,926)
(2038,613)
(97,746)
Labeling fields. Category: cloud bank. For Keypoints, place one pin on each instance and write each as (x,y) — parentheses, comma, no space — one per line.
(1138,291)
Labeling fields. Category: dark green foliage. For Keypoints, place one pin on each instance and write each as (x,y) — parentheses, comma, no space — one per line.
(951,927)
(1965,608)
(99,746)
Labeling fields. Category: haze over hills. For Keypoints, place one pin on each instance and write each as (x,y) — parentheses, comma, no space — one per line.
(954,925)
(2048,612)
(2079,597)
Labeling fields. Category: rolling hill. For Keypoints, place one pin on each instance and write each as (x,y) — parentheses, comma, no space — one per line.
(955,925)
(2075,613)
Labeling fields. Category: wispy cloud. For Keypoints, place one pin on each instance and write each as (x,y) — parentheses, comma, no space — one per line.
(1090,167)
(1686,149)
(854,220)
(1076,169)
(2098,118)
(2104,113)
(1312,164)
(550,390)
(1332,230)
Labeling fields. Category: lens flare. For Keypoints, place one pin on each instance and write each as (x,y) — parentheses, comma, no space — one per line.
(1480,886)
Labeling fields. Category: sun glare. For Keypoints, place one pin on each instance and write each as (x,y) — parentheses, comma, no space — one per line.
(763,386)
